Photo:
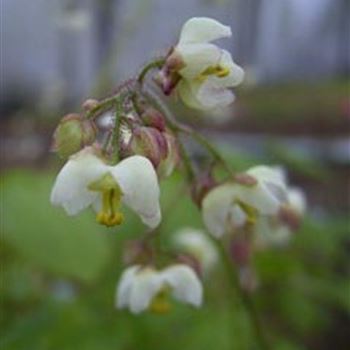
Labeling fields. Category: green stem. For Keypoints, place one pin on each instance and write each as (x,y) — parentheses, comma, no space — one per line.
(104,104)
(211,149)
(118,119)
(158,63)
(245,298)
(186,161)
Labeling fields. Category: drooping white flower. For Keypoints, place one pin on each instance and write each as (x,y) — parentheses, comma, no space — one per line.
(142,288)
(272,230)
(233,204)
(207,71)
(87,180)
(196,243)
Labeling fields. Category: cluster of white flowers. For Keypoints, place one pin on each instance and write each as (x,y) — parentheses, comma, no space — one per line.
(141,147)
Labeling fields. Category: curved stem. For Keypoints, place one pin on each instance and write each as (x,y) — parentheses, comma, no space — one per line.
(102,105)
(210,148)
(158,63)
(187,161)
(245,298)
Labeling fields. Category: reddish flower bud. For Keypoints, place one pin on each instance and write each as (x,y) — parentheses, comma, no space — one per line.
(153,118)
(72,134)
(149,142)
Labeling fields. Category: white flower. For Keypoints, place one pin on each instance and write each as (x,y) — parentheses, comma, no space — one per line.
(142,288)
(207,71)
(87,180)
(196,243)
(233,204)
(271,230)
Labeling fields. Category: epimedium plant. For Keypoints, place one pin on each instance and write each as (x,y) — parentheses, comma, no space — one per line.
(121,162)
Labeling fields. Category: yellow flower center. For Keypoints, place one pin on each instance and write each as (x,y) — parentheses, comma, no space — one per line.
(251,212)
(111,193)
(218,70)
(160,303)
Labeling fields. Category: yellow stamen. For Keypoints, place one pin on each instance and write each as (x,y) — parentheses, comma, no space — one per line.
(111,198)
(251,212)
(218,70)
(160,303)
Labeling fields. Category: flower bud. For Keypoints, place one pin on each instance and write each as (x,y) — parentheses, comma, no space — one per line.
(172,157)
(168,77)
(89,104)
(167,81)
(149,142)
(153,118)
(72,134)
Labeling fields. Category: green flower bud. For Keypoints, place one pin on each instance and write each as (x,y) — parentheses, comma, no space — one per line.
(72,134)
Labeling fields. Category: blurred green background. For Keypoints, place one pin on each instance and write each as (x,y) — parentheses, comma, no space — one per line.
(58,274)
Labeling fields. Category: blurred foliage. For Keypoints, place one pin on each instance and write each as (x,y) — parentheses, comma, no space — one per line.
(321,107)
(59,276)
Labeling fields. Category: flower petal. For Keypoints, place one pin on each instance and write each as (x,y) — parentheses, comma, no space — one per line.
(268,232)
(70,189)
(297,199)
(185,284)
(139,184)
(260,198)
(272,180)
(125,285)
(203,29)
(197,58)
(197,243)
(216,207)
(147,283)
(236,74)
(213,94)
(187,92)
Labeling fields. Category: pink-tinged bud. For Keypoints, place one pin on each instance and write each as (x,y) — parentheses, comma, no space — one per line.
(149,142)
(241,250)
(153,118)
(167,81)
(174,61)
(289,217)
(172,157)
(192,262)
(89,104)
(245,179)
(72,134)
(203,184)
(168,77)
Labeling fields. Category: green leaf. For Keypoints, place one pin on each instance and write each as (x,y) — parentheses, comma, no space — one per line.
(44,235)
